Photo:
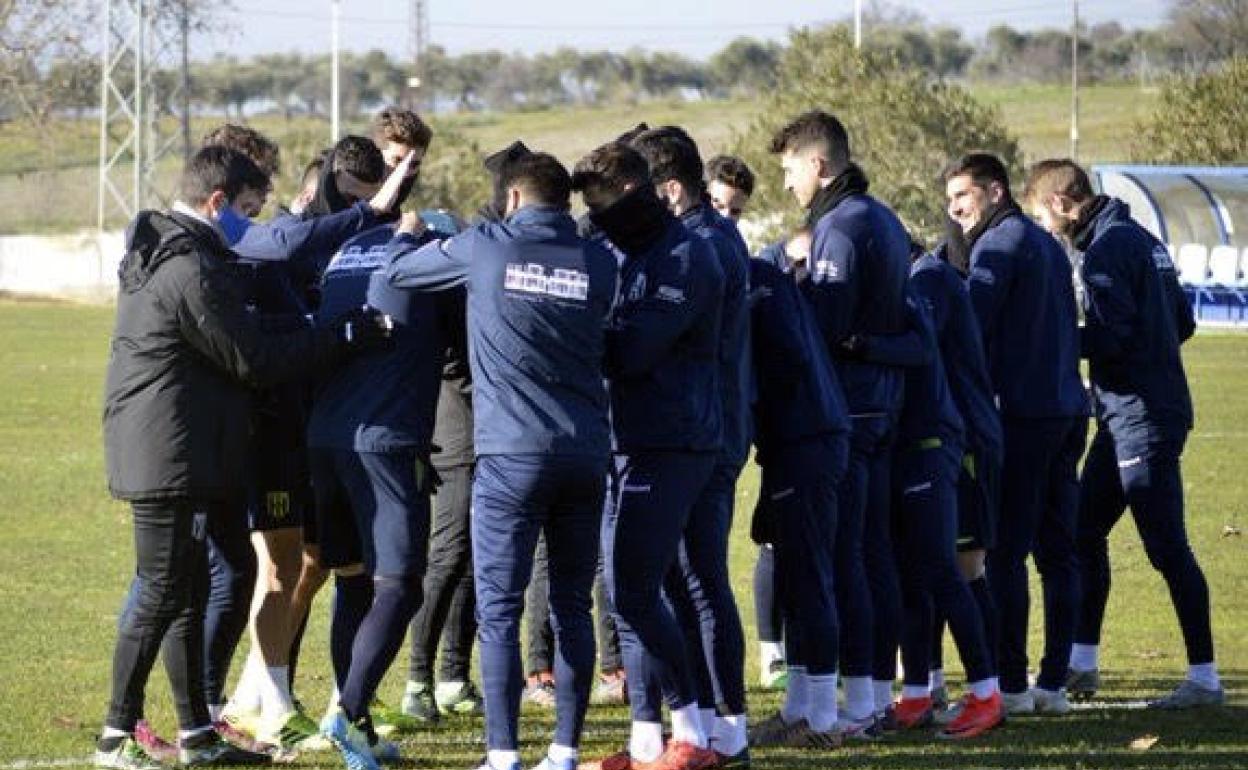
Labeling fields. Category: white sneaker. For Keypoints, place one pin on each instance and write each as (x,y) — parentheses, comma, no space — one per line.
(1050,701)
(1018,702)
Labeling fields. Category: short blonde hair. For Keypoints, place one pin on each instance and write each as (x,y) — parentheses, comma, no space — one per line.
(1057,176)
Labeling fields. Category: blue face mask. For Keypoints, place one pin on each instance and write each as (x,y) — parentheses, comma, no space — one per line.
(232,224)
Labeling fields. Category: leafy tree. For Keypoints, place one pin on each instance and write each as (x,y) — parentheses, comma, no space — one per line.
(745,66)
(1200,119)
(903,126)
(1213,30)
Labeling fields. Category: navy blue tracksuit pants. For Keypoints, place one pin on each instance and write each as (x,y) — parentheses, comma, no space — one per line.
(1039,507)
(868,594)
(926,483)
(641,536)
(799,484)
(701,595)
(1145,477)
(514,498)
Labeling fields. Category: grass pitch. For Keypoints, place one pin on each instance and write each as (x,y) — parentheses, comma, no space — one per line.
(66,557)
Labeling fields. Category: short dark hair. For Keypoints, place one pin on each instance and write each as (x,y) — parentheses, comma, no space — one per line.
(983,168)
(628,136)
(732,171)
(360,158)
(217,167)
(396,124)
(262,150)
(541,176)
(612,167)
(312,171)
(671,154)
(1061,176)
(815,128)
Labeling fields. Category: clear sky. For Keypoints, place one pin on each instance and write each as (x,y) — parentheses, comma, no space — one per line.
(694,27)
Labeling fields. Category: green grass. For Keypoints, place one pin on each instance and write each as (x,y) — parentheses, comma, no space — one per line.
(66,557)
(49,183)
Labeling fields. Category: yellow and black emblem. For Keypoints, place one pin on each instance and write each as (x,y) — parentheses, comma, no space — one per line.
(277,505)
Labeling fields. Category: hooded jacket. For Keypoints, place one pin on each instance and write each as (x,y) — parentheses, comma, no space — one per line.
(183,353)
(1131,338)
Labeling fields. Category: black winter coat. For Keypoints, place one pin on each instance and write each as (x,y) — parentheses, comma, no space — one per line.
(177,404)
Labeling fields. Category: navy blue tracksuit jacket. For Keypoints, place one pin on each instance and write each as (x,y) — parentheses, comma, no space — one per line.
(734,365)
(940,288)
(305,240)
(386,400)
(860,259)
(799,396)
(663,347)
(528,277)
(1022,290)
(1131,337)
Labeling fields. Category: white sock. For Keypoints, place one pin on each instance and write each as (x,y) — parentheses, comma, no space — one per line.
(559,753)
(246,698)
(707,717)
(730,736)
(796,696)
(1205,675)
(186,735)
(882,693)
(444,690)
(275,692)
(645,743)
(502,760)
(936,678)
(822,712)
(113,732)
(909,691)
(214,711)
(1083,657)
(687,726)
(769,652)
(984,688)
(859,698)
(332,705)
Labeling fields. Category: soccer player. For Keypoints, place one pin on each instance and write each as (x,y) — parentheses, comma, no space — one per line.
(927,461)
(700,589)
(538,301)
(1134,324)
(183,338)
(662,362)
(280,500)
(940,288)
(801,429)
(1022,291)
(856,280)
(729,183)
(369,434)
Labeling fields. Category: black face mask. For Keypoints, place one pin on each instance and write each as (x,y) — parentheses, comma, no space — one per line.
(635,221)
(957,249)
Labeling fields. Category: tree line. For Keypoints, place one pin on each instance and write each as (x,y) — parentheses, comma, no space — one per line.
(1197,36)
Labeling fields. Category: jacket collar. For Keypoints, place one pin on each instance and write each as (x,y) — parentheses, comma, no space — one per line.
(185,212)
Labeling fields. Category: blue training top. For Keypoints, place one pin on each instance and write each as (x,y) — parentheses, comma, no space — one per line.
(1024,298)
(798,394)
(860,257)
(384,400)
(942,291)
(734,339)
(1131,337)
(663,347)
(539,297)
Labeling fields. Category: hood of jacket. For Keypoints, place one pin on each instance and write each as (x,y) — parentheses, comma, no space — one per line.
(155,237)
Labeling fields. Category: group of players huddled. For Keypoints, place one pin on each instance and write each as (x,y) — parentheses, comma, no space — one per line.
(457,420)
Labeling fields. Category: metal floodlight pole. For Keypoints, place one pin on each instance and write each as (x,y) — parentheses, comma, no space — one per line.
(1074,81)
(857,23)
(335,19)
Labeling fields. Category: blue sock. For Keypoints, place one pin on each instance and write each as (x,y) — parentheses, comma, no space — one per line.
(378,641)
(352,597)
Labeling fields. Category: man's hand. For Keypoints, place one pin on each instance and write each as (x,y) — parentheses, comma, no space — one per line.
(388,195)
(411,223)
(364,328)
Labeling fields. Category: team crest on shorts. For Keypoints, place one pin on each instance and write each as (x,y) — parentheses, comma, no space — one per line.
(277,505)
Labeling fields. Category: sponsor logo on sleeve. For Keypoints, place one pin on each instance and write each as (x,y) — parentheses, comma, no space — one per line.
(538,280)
